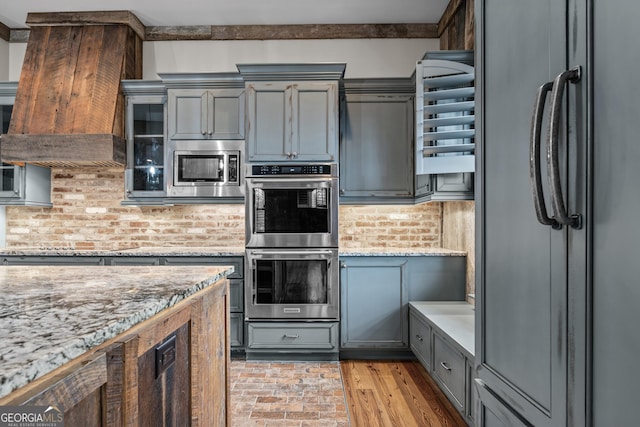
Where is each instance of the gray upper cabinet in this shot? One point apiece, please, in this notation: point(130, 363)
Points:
point(27, 185)
point(292, 111)
point(206, 114)
point(557, 297)
point(146, 118)
point(376, 139)
point(204, 105)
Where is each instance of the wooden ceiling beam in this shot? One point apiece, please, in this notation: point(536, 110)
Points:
point(5, 32)
point(290, 32)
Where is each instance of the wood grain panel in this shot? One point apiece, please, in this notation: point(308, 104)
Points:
point(385, 393)
point(29, 77)
point(287, 32)
point(5, 32)
point(69, 92)
point(108, 17)
point(102, 105)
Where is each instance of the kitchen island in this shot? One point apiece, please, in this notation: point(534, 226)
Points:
point(118, 342)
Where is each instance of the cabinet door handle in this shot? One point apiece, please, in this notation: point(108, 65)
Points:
point(294, 155)
point(288, 154)
point(419, 338)
point(445, 366)
point(553, 174)
point(534, 157)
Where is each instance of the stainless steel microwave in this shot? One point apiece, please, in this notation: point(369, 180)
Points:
point(207, 169)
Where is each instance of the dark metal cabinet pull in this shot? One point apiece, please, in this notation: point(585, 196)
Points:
point(553, 173)
point(534, 157)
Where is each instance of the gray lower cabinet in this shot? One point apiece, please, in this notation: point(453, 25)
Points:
point(236, 291)
point(376, 290)
point(292, 340)
point(376, 140)
point(442, 338)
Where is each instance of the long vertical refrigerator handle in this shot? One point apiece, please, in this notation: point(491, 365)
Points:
point(534, 157)
point(553, 173)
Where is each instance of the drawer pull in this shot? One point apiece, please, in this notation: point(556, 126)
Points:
point(292, 337)
point(419, 338)
point(445, 366)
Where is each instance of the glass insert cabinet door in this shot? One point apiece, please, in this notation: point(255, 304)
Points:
point(145, 146)
point(148, 147)
point(9, 174)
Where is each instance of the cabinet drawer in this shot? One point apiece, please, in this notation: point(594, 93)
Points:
point(420, 339)
point(293, 336)
point(449, 369)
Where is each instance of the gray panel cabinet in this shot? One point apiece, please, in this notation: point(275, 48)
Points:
point(376, 140)
point(292, 111)
point(376, 290)
point(557, 305)
point(27, 185)
point(206, 113)
point(146, 114)
point(442, 338)
point(292, 121)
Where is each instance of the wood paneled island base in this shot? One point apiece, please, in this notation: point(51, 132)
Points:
point(172, 367)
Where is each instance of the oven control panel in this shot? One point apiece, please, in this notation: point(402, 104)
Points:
point(310, 169)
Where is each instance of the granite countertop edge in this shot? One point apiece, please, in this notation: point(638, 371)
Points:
point(218, 252)
point(81, 345)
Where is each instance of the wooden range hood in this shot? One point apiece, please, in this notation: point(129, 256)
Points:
point(69, 110)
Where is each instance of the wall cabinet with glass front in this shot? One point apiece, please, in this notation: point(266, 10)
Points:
point(27, 185)
point(145, 130)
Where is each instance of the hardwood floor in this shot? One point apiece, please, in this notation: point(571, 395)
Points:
point(395, 393)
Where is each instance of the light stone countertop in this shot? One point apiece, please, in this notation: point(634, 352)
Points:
point(230, 251)
point(400, 252)
point(133, 252)
point(49, 315)
point(453, 318)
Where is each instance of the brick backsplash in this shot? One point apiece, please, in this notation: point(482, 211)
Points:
point(391, 226)
point(87, 215)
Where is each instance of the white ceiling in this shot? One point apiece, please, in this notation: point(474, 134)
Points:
point(240, 12)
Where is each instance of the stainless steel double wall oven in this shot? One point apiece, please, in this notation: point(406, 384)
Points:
point(292, 242)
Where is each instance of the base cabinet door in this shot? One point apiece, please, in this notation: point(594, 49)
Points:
point(374, 302)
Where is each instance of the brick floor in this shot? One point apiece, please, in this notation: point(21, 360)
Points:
point(287, 394)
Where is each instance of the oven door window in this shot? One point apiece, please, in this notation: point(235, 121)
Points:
point(200, 168)
point(291, 282)
point(302, 210)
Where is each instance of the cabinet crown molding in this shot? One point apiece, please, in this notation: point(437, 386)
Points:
point(283, 72)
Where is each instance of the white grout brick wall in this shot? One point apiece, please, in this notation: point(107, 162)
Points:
point(87, 215)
